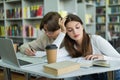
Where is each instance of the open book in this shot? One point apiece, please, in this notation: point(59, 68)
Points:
point(101, 63)
point(98, 63)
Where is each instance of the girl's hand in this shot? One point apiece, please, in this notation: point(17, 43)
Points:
point(61, 22)
point(94, 56)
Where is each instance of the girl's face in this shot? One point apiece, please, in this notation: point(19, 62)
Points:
point(74, 30)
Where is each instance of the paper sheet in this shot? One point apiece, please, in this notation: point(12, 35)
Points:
point(31, 59)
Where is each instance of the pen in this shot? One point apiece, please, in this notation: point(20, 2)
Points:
point(31, 48)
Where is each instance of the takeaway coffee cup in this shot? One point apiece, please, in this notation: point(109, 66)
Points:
point(51, 51)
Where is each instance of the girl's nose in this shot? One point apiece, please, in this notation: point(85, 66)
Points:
point(74, 31)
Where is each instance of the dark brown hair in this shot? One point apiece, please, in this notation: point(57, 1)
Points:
point(51, 20)
point(86, 47)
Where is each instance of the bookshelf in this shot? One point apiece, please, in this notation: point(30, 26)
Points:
point(108, 18)
point(86, 11)
point(33, 12)
point(13, 20)
point(20, 19)
point(101, 18)
point(114, 21)
point(114, 18)
point(61, 5)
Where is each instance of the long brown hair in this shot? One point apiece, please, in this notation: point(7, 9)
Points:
point(86, 47)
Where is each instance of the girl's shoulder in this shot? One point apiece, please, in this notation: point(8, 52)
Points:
point(96, 38)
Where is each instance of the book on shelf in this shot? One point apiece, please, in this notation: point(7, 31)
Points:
point(14, 30)
point(14, 13)
point(100, 28)
point(2, 31)
point(100, 2)
point(100, 19)
point(114, 1)
point(114, 28)
point(114, 19)
point(100, 10)
point(88, 18)
point(33, 11)
point(62, 67)
point(1, 13)
point(30, 31)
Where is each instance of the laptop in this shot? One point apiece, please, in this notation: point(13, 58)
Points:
point(8, 54)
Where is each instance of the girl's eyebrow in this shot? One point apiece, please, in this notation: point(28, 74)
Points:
point(77, 24)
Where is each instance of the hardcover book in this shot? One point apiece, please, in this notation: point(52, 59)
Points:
point(62, 67)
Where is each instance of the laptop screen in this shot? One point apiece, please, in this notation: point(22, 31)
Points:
point(7, 52)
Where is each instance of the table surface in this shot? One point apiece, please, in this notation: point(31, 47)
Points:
point(37, 69)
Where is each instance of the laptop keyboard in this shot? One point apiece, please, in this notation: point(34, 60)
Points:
point(21, 62)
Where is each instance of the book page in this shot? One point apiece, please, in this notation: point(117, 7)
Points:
point(101, 63)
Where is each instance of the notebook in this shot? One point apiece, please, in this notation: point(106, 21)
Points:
point(8, 54)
